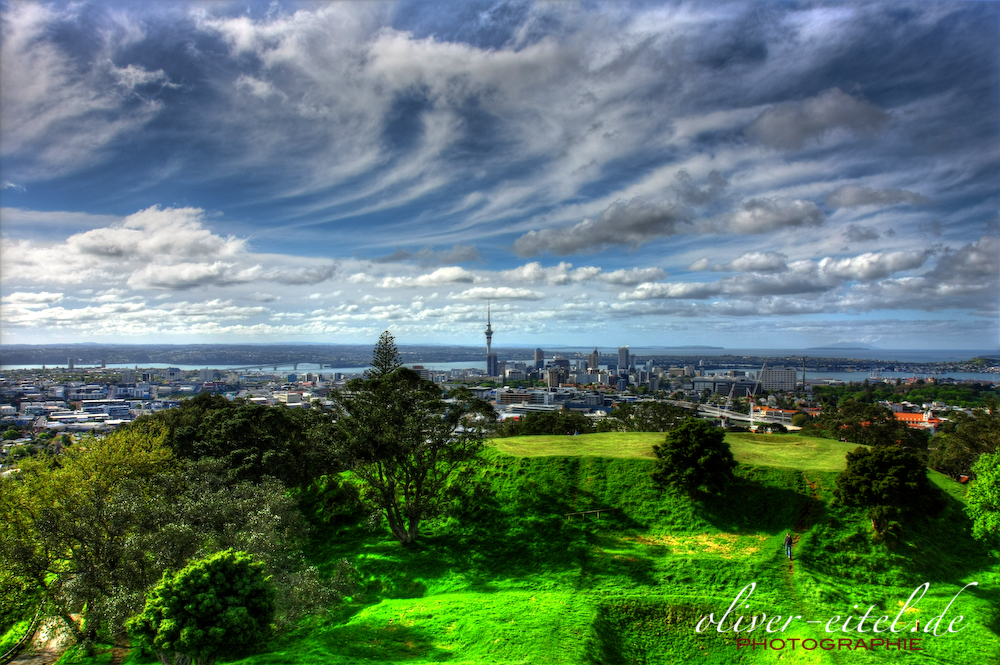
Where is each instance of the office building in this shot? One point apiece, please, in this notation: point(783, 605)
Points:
point(594, 361)
point(623, 364)
point(779, 378)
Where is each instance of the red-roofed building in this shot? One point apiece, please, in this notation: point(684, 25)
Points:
point(922, 420)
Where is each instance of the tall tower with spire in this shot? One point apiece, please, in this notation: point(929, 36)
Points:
point(489, 329)
point(492, 365)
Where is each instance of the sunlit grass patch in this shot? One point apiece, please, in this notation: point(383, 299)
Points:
point(726, 545)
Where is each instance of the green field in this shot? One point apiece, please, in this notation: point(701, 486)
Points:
point(805, 453)
point(508, 578)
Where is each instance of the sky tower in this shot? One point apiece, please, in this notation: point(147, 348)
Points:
point(489, 329)
point(492, 366)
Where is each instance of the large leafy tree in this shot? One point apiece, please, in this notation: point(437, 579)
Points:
point(253, 440)
point(221, 605)
point(404, 440)
point(694, 459)
point(72, 526)
point(890, 482)
point(90, 531)
point(983, 497)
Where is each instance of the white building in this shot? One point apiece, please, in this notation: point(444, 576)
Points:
point(779, 378)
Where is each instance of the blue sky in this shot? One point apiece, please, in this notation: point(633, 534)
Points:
point(746, 174)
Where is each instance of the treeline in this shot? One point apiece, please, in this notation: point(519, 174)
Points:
point(953, 450)
point(867, 392)
point(624, 417)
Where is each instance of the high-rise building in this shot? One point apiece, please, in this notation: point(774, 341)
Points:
point(594, 361)
point(539, 359)
point(779, 378)
point(623, 358)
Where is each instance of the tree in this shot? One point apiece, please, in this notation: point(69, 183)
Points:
point(983, 497)
point(221, 605)
point(695, 459)
point(644, 417)
point(92, 530)
point(961, 442)
point(72, 523)
point(888, 481)
point(253, 440)
point(801, 419)
point(404, 441)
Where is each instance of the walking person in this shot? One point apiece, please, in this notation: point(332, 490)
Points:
point(788, 546)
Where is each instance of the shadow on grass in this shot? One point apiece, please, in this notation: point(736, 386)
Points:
point(929, 548)
point(494, 528)
point(992, 597)
point(629, 631)
point(359, 642)
point(760, 499)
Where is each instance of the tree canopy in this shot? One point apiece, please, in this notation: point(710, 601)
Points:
point(404, 441)
point(983, 497)
point(695, 459)
point(647, 416)
point(221, 605)
point(73, 527)
point(90, 531)
point(253, 440)
point(888, 481)
point(960, 442)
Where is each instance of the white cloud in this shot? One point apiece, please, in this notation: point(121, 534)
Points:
point(27, 299)
point(622, 224)
point(559, 275)
point(850, 196)
point(789, 126)
point(873, 265)
point(498, 293)
point(59, 111)
point(701, 264)
point(626, 277)
point(761, 215)
point(448, 275)
point(755, 262)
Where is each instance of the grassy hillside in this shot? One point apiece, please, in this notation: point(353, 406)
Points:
point(805, 453)
point(507, 577)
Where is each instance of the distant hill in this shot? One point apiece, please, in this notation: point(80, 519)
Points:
point(849, 346)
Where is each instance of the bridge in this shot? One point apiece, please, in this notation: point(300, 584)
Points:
point(728, 414)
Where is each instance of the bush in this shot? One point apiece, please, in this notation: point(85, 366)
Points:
point(221, 605)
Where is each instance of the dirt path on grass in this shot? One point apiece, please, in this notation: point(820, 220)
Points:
point(807, 517)
point(118, 655)
point(50, 641)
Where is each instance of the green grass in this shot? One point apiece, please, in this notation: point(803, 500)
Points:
point(805, 453)
point(507, 578)
point(608, 444)
point(951, 487)
point(14, 635)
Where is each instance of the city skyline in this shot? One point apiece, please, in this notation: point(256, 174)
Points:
point(745, 174)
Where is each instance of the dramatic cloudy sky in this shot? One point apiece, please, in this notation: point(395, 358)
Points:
point(746, 174)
